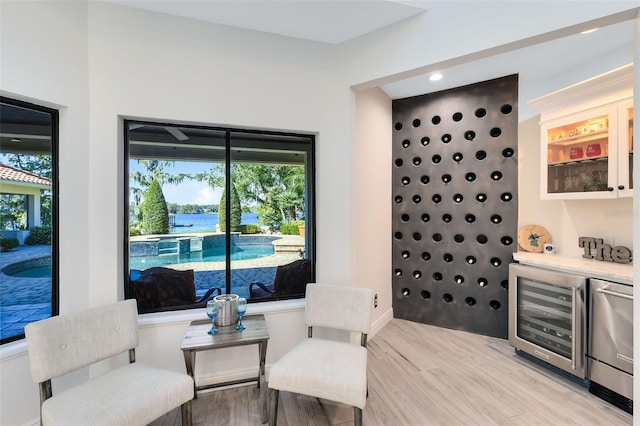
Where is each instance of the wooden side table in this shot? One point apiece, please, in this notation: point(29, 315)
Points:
point(197, 339)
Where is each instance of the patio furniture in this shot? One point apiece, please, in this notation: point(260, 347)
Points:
point(133, 394)
point(290, 280)
point(166, 289)
point(328, 369)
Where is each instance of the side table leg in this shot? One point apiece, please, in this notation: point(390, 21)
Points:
point(190, 363)
point(262, 385)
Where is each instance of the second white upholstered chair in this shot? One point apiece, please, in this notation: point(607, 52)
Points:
point(328, 369)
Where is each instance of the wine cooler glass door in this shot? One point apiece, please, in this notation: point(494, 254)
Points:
point(547, 316)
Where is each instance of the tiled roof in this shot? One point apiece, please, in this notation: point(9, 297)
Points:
point(11, 174)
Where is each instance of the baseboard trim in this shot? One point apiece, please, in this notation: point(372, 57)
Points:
point(383, 320)
point(33, 422)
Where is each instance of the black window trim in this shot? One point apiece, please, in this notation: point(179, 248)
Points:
point(310, 206)
point(55, 225)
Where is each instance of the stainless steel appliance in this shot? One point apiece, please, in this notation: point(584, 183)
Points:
point(610, 347)
point(547, 316)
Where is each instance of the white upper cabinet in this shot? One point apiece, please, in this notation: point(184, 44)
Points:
point(587, 138)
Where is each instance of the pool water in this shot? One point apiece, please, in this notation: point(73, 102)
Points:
point(39, 272)
point(217, 254)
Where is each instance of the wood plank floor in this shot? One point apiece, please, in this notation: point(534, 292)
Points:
point(422, 375)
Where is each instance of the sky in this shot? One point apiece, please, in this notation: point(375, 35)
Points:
point(189, 191)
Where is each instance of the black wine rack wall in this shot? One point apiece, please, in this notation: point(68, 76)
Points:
point(455, 205)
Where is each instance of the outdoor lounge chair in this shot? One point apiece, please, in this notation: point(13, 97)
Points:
point(166, 289)
point(290, 280)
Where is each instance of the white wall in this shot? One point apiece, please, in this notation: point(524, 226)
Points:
point(371, 195)
point(98, 62)
point(43, 48)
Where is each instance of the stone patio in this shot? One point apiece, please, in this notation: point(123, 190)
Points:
point(24, 300)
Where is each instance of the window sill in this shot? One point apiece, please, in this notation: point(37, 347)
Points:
point(178, 317)
point(13, 350)
point(18, 348)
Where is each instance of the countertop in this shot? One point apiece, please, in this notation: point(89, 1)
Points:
point(617, 272)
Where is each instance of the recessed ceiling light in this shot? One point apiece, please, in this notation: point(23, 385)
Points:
point(435, 76)
point(592, 30)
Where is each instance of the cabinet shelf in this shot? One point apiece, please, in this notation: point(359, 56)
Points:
point(580, 160)
point(581, 138)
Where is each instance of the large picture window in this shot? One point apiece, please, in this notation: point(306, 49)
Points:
point(217, 211)
point(28, 216)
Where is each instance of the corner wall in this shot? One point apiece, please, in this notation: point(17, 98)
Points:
point(44, 59)
point(371, 195)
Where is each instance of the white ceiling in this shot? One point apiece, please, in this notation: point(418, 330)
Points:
point(328, 21)
point(553, 64)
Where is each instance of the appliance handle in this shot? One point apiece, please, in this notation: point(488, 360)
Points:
point(614, 293)
point(574, 327)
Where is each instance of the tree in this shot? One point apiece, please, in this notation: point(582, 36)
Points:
point(155, 215)
point(13, 212)
point(141, 181)
point(277, 189)
point(236, 210)
point(36, 164)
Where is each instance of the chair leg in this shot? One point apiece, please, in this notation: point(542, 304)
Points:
point(357, 416)
point(273, 406)
point(185, 410)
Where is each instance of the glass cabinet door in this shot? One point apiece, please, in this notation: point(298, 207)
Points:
point(630, 135)
point(625, 154)
point(578, 155)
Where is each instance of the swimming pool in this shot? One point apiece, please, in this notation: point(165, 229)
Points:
point(38, 272)
point(216, 254)
point(33, 268)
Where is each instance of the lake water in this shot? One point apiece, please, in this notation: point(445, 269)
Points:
point(206, 222)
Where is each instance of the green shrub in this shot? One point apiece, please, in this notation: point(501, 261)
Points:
point(38, 235)
point(236, 210)
point(134, 231)
point(155, 215)
point(250, 229)
point(9, 243)
point(289, 229)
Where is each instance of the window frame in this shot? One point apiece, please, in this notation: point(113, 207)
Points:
point(55, 191)
point(310, 199)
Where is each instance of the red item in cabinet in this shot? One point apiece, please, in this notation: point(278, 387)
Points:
point(576, 152)
point(594, 150)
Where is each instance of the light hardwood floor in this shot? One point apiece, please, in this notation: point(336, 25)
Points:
point(422, 375)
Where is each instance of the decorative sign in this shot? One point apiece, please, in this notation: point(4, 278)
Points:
point(594, 248)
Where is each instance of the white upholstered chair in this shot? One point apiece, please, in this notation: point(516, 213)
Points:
point(328, 369)
point(134, 394)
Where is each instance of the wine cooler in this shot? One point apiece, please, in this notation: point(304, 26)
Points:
point(547, 317)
